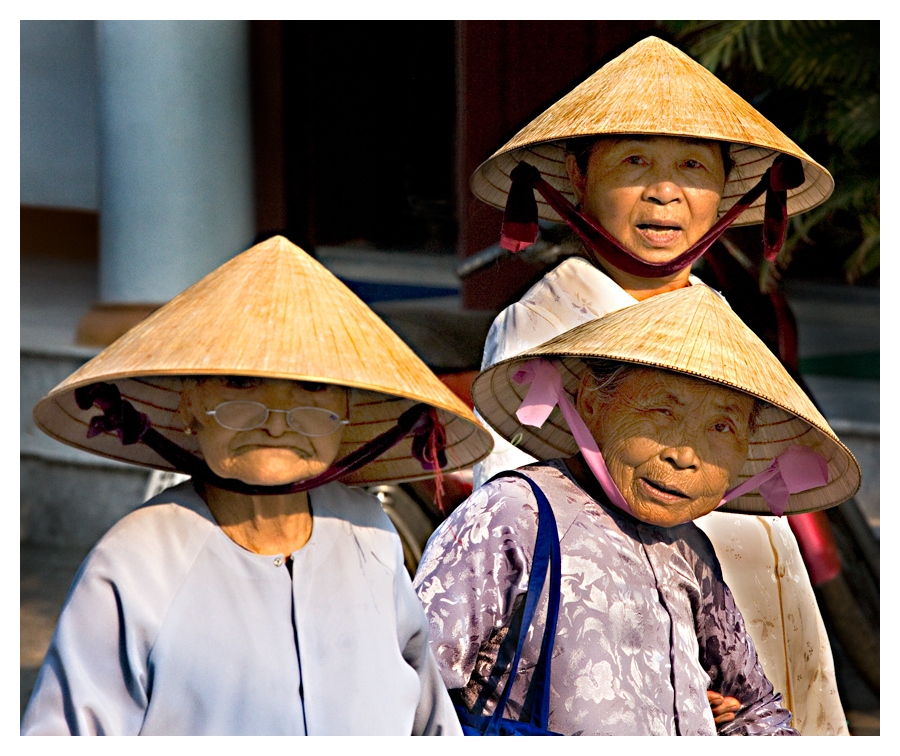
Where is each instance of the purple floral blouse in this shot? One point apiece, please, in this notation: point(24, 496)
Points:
point(646, 623)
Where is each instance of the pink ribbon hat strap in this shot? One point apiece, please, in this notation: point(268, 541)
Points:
point(545, 393)
point(797, 469)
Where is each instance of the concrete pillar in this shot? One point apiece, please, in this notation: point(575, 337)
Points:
point(176, 168)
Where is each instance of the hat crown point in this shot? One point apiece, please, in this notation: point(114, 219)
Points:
point(654, 89)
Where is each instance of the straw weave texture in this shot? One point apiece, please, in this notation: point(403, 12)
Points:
point(653, 88)
point(693, 332)
point(271, 312)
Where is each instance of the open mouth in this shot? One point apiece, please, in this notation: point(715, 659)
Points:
point(659, 227)
point(665, 490)
point(659, 233)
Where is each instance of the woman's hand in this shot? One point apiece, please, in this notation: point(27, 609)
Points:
point(723, 707)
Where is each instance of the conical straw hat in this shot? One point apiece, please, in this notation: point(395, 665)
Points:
point(271, 312)
point(690, 331)
point(653, 88)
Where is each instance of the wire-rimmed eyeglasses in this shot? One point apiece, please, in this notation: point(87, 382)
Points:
point(243, 415)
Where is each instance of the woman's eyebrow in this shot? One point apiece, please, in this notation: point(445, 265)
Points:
point(727, 407)
point(663, 397)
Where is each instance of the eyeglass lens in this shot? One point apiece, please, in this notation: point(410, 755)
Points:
point(310, 421)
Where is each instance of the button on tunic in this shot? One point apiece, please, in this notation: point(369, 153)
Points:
point(172, 628)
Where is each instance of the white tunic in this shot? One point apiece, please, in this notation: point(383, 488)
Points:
point(760, 558)
point(172, 628)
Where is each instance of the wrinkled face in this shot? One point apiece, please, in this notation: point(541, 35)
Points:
point(273, 454)
point(672, 444)
point(657, 195)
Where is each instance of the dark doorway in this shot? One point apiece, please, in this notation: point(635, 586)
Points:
point(369, 112)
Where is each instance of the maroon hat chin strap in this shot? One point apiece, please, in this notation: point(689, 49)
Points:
point(120, 416)
point(520, 219)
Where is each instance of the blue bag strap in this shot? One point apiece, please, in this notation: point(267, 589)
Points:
point(546, 553)
point(541, 678)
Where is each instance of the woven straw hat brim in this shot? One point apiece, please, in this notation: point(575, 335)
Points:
point(653, 89)
point(271, 312)
point(692, 332)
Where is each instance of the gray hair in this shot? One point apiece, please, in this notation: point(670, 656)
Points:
point(607, 375)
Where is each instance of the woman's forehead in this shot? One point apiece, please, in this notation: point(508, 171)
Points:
point(234, 383)
point(680, 389)
point(666, 141)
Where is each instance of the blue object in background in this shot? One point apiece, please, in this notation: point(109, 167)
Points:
point(371, 291)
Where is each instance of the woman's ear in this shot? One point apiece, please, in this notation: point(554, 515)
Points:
point(186, 413)
point(576, 177)
point(588, 401)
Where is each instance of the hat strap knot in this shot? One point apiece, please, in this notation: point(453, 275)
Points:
point(786, 173)
point(520, 227)
point(428, 446)
point(795, 470)
point(120, 416)
point(429, 440)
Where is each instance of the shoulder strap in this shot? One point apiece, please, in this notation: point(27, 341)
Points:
point(546, 553)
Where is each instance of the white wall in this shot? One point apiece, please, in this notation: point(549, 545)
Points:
point(59, 140)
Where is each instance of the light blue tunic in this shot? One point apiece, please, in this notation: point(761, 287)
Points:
point(172, 628)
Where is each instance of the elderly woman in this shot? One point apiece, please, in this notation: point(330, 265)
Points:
point(653, 187)
point(646, 624)
point(265, 596)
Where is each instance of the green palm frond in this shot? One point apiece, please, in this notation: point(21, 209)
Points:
point(856, 121)
point(867, 256)
point(798, 54)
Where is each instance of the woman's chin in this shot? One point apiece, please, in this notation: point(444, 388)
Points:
point(658, 255)
point(663, 516)
point(279, 475)
point(661, 519)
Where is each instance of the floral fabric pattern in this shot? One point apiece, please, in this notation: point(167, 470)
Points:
point(759, 556)
point(646, 624)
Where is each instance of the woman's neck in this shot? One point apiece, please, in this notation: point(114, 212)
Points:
point(640, 288)
point(279, 524)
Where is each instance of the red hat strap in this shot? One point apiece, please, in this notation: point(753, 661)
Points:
point(119, 416)
point(520, 218)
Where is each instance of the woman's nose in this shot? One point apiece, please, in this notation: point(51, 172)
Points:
point(277, 424)
point(680, 447)
point(682, 456)
point(661, 187)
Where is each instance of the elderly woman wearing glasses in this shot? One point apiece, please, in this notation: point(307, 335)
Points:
point(265, 596)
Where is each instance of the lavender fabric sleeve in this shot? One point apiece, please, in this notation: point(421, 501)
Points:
point(727, 652)
point(646, 625)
